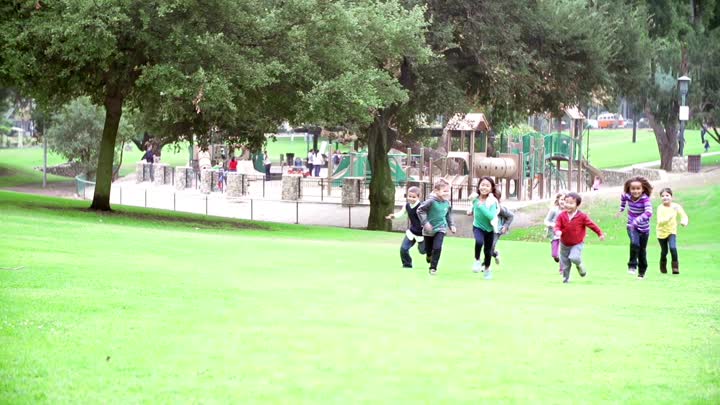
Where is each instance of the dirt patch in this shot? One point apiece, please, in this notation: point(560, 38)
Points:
point(6, 172)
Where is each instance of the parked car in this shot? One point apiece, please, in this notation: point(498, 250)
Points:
point(610, 120)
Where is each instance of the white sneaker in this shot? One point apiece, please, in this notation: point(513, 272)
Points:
point(477, 267)
point(631, 271)
point(497, 258)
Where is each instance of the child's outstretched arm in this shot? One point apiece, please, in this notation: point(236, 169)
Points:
point(623, 203)
point(592, 225)
point(396, 215)
point(683, 215)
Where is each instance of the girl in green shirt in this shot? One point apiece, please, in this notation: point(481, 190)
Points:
point(484, 211)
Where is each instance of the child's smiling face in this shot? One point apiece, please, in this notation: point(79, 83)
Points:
point(666, 198)
point(636, 190)
point(412, 198)
point(570, 205)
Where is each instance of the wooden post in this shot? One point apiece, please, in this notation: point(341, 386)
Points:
point(430, 171)
point(557, 178)
point(409, 164)
point(519, 176)
point(531, 164)
point(331, 168)
point(462, 141)
point(581, 167)
point(570, 164)
point(471, 162)
point(421, 166)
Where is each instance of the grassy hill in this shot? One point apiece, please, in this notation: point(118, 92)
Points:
point(149, 306)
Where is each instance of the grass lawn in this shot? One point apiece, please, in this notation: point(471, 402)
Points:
point(16, 166)
point(149, 306)
point(614, 147)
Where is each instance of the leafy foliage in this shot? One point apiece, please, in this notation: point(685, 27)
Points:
point(77, 130)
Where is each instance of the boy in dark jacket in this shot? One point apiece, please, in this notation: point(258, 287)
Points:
point(570, 227)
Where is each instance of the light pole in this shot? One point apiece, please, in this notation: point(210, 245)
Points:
point(683, 85)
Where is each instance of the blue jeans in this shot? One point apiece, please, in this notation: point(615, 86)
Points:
point(317, 170)
point(669, 242)
point(405, 251)
point(638, 250)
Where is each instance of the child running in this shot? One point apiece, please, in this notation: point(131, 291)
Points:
point(667, 214)
point(636, 197)
point(414, 232)
point(505, 218)
point(485, 223)
point(570, 228)
point(435, 215)
point(550, 220)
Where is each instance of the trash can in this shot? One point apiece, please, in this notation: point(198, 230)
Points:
point(694, 163)
point(290, 157)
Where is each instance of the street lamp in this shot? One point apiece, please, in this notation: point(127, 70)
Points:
point(683, 85)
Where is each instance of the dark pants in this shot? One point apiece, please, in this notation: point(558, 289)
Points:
point(310, 168)
point(317, 170)
point(484, 241)
point(433, 248)
point(495, 241)
point(405, 251)
point(267, 171)
point(666, 243)
point(638, 250)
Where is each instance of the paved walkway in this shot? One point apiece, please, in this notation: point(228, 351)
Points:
point(263, 202)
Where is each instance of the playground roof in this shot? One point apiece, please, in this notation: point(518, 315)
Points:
point(574, 113)
point(468, 122)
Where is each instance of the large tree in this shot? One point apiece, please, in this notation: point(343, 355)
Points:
point(508, 59)
point(685, 39)
point(194, 69)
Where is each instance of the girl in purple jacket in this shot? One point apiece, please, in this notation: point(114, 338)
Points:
point(636, 198)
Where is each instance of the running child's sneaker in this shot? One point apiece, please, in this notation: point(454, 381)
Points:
point(581, 270)
point(477, 266)
point(632, 271)
point(428, 258)
point(432, 272)
point(497, 258)
point(488, 274)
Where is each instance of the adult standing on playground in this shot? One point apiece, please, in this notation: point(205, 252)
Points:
point(149, 157)
point(311, 160)
point(318, 162)
point(268, 163)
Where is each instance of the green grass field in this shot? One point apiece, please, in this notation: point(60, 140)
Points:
point(147, 306)
point(614, 147)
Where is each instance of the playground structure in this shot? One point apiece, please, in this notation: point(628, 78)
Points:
point(530, 165)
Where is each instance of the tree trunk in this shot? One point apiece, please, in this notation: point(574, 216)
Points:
point(382, 188)
point(103, 179)
point(666, 137)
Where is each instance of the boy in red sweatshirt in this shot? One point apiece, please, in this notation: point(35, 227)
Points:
point(570, 227)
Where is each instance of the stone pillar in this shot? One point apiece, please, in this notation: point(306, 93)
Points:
point(352, 190)
point(291, 186)
point(206, 181)
point(168, 174)
point(159, 173)
point(147, 171)
point(679, 164)
point(235, 185)
point(183, 177)
point(140, 172)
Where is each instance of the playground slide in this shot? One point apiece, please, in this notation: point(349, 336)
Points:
point(592, 169)
point(247, 167)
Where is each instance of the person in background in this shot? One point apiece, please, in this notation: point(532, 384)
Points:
point(232, 166)
point(318, 162)
point(268, 164)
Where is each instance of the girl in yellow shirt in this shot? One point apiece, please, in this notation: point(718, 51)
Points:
point(667, 214)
